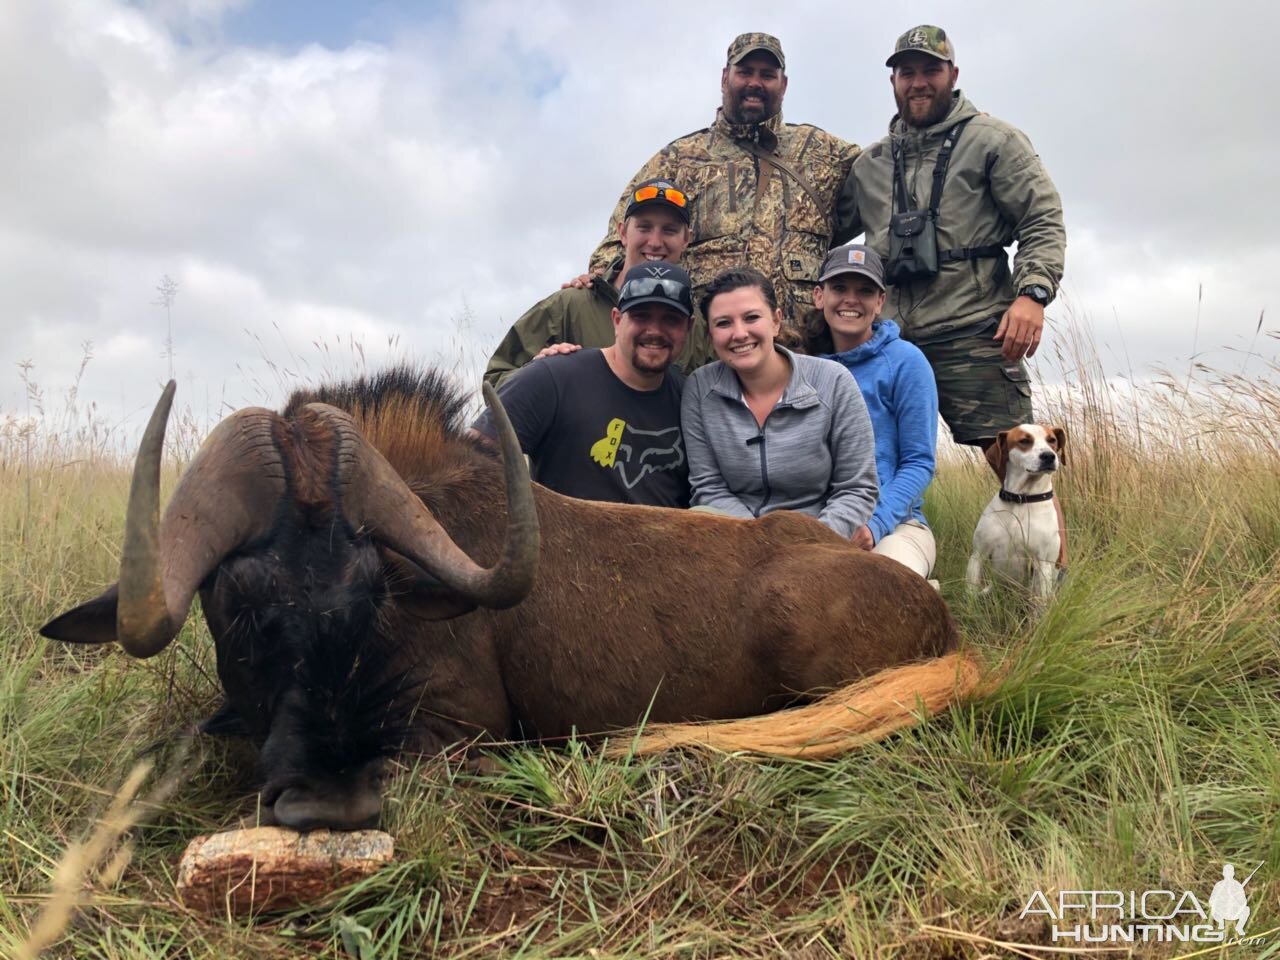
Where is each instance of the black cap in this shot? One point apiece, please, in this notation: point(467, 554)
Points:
point(658, 192)
point(663, 283)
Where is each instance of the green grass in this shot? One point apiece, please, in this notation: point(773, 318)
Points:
point(1132, 745)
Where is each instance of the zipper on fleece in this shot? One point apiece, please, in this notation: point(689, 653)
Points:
point(758, 441)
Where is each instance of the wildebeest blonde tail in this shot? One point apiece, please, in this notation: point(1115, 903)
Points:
point(849, 717)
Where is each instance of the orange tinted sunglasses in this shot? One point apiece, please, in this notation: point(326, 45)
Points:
point(650, 192)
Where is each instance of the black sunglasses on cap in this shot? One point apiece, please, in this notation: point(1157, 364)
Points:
point(655, 290)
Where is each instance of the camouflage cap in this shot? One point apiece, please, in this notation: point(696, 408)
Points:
point(747, 43)
point(929, 40)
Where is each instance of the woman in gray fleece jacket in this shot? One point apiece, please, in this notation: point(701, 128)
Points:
point(767, 429)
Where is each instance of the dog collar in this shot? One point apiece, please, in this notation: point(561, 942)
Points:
point(1008, 497)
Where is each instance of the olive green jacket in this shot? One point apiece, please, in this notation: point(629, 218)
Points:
point(573, 315)
point(996, 191)
point(746, 211)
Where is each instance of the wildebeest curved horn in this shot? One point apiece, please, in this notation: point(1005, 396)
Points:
point(223, 499)
point(376, 496)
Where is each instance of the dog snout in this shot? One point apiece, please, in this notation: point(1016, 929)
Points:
point(1048, 460)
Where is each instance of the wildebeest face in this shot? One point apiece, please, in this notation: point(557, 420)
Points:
point(301, 662)
point(291, 529)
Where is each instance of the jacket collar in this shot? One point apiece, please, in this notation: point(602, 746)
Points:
point(799, 392)
point(960, 108)
point(604, 283)
point(883, 332)
point(764, 133)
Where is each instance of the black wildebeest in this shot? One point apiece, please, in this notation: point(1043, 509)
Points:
point(370, 588)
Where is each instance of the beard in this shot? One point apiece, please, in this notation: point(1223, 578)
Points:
point(925, 114)
point(640, 359)
point(737, 112)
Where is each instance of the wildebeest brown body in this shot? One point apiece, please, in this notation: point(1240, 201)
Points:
point(334, 649)
point(639, 611)
point(682, 616)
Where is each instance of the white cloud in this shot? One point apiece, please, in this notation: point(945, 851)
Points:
point(419, 194)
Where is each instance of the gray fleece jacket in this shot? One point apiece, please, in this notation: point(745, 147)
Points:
point(815, 452)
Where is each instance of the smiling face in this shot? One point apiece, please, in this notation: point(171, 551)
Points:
point(652, 233)
point(649, 337)
point(849, 303)
point(743, 328)
point(922, 87)
point(753, 88)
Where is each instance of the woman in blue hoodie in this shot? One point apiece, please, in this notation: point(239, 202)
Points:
point(900, 393)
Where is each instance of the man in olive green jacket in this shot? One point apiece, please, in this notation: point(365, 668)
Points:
point(975, 319)
point(655, 227)
point(762, 192)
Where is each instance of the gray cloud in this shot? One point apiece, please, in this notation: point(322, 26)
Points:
point(418, 194)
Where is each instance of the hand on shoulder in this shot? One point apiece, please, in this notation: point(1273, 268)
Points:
point(556, 349)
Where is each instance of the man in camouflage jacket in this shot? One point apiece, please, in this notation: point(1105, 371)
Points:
point(762, 192)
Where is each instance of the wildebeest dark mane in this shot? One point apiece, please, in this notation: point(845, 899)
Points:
point(432, 392)
point(416, 417)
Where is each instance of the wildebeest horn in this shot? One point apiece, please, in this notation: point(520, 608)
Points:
point(224, 498)
point(374, 495)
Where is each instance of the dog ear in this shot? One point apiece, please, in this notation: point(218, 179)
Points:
point(1062, 444)
point(998, 454)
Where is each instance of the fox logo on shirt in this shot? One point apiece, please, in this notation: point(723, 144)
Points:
point(637, 453)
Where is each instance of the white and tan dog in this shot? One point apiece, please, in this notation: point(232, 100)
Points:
point(1017, 534)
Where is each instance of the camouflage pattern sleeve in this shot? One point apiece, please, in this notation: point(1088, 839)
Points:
point(1027, 198)
point(610, 248)
point(849, 152)
point(539, 327)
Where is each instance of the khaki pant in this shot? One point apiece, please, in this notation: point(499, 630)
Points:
point(912, 545)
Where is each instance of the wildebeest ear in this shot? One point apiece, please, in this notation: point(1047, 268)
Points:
point(998, 453)
point(92, 622)
point(1062, 444)
point(419, 593)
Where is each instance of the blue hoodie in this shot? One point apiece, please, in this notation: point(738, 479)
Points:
point(902, 398)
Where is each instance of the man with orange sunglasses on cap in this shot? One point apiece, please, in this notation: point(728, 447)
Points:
point(761, 192)
point(655, 227)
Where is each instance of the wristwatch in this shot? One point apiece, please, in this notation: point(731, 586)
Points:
point(1037, 292)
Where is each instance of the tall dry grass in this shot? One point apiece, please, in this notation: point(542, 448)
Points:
point(1132, 743)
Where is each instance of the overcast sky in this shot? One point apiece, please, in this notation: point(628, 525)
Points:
point(409, 177)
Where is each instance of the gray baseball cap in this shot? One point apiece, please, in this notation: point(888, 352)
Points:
point(853, 258)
